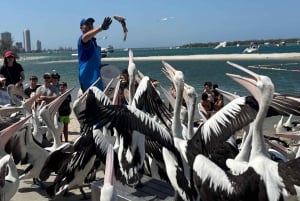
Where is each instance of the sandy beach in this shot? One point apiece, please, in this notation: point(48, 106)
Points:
point(212, 57)
point(199, 57)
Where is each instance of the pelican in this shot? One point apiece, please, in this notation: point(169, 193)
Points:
point(269, 180)
point(9, 183)
point(74, 171)
point(131, 149)
point(48, 112)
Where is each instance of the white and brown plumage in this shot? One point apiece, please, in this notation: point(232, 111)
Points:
point(123, 23)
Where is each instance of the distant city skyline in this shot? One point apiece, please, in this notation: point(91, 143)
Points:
point(25, 45)
point(163, 24)
point(26, 40)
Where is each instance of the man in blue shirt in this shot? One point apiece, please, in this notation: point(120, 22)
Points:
point(89, 53)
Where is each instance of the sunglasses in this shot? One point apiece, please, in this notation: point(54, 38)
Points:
point(10, 57)
point(47, 78)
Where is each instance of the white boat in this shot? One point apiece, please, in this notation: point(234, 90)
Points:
point(221, 44)
point(104, 51)
point(252, 48)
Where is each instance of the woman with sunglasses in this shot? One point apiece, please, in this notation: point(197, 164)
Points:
point(11, 70)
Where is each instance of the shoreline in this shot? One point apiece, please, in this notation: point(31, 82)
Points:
point(211, 57)
point(273, 56)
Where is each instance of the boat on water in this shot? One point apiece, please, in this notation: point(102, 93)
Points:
point(252, 48)
point(104, 51)
point(221, 44)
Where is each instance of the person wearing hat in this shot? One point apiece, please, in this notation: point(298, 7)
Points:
point(55, 79)
point(47, 91)
point(11, 70)
point(89, 53)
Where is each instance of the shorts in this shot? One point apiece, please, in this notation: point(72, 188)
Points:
point(64, 119)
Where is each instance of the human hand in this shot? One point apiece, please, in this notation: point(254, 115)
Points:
point(106, 23)
point(18, 85)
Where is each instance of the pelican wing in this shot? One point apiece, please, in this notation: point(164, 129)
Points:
point(146, 98)
point(125, 118)
point(286, 104)
point(213, 183)
point(290, 172)
point(231, 118)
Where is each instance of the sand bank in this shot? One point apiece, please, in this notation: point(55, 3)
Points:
point(199, 57)
point(211, 57)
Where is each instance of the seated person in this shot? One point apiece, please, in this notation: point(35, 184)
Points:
point(219, 103)
point(205, 103)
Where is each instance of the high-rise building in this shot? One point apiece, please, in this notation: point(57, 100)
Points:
point(19, 45)
point(5, 36)
point(26, 40)
point(5, 39)
point(38, 46)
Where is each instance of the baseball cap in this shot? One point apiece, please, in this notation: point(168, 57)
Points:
point(55, 75)
point(85, 21)
point(9, 53)
point(46, 75)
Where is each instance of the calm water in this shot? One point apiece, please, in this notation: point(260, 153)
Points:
point(196, 72)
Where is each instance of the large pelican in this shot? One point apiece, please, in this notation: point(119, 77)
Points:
point(269, 180)
point(48, 113)
point(9, 181)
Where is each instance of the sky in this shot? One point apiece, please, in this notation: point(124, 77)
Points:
point(164, 23)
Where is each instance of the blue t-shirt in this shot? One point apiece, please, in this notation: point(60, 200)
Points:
point(89, 58)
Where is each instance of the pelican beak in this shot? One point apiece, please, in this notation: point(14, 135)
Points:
point(227, 95)
point(168, 70)
point(277, 147)
point(293, 135)
point(7, 133)
point(250, 83)
point(7, 111)
point(28, 103)
point(188, 89)
point(56, 103)
point(116, 93)
point(109, 166)
point(130, 55)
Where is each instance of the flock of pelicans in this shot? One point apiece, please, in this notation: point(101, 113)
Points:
point(202, 162)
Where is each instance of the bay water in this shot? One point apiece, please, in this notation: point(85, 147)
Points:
point(195, 72)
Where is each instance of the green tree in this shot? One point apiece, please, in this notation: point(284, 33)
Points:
point(5, 45)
